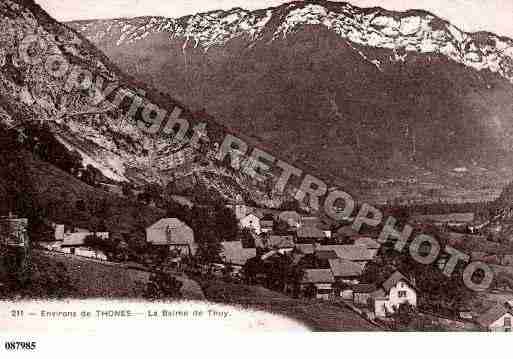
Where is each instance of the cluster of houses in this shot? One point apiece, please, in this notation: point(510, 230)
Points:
point(332, 261)
point(75, 242)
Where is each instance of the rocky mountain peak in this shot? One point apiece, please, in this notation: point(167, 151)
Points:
point(413, 31)
point(52, 79)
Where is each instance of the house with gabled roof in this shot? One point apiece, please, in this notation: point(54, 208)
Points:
point(362, 293)
point(367, 242)
point(234, 254)
point(496, 319)
point(346, 271)
point(173, 233)
point(346, 274)
point(320, 281)
point(354, 253)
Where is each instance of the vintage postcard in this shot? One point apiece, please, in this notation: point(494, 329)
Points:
point(255, 166)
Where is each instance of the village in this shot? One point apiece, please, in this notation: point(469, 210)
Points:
point(298, 254)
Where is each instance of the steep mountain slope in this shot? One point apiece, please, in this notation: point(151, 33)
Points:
point(346, 90)
point(90, 111)
point(43, 193)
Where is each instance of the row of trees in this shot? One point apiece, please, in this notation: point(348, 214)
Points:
point(212, 224)
point(277, 272)
point(41, 141)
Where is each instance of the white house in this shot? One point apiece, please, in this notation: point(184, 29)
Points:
point(396, 290)
point(252, 222)
point(497, 319)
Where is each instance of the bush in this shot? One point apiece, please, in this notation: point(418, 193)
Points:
point(163, 286)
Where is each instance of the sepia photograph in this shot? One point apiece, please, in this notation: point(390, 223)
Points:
point(255, 166)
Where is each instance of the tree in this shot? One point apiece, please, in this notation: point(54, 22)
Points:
point(375, 273)
point(227, 271)
point(226, 223)
point(310, 291)
point(404, 314)
point(294, 276)
point(45, 145)
point(105, 245)
point(277, 269)
point(127, 190)
point(246, 238)
point(209, 248)
point(163, 286)
point(280, 227)
point(80, 205)
point(92, 175)
point(251, 269)
point(151, 192)
point(340, 286)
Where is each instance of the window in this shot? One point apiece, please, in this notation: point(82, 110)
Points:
point(507, 322)
point(401, 294)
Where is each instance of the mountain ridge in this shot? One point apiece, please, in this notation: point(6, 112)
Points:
point(226, 25)
point(104, 136)
point(347, 109)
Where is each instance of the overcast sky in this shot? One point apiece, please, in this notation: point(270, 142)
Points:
point(469, 15)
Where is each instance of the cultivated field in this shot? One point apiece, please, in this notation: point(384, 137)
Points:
point(97, 280)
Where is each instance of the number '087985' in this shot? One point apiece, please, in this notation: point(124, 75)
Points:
point(20, 345)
